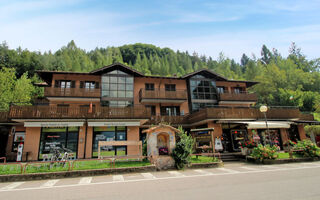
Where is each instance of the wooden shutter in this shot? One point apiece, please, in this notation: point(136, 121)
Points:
point(56, 83)
point(73, 84)
point(97, 85)
point(81, 84)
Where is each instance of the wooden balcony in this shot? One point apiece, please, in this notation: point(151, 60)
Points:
point(76, 112)
point(243, 96)
point(245, 113)
point(172, 120)
point(71, 92)
point(162, 96)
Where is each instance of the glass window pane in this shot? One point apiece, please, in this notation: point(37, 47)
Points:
point(113, 72)
point(113, 94)
point(129, 94)
point(105, 93)
point(129, 80)
point(121, 80)
point(113, 86)
point(121, 94)
point(105, 79)
point(121, 86)
point(113, 79)
point(129, 87)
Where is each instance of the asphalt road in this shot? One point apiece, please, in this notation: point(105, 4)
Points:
point(235, 181)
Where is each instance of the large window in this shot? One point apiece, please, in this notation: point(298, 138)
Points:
point(117, 85)
point(58, 138)
point(112, 133)
point(203, 92)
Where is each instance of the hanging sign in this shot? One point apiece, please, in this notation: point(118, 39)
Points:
point(114, 123)
point(52, 124)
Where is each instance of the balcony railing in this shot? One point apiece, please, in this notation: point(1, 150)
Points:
point(172, 120)
point(56, 112)
point(162, 95)
point(71, 92)
point(243, 96)
point(252, 113)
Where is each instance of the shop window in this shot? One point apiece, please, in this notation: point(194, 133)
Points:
point(18, 138)
point(60, 138)
point(113, 133)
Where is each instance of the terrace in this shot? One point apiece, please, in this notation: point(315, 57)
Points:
point(76, 112)
point(71, 92)
point(251, 113)
point(161, 95)
point(242, 96)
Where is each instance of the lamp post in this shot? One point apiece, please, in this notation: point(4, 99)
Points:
point(264, 110)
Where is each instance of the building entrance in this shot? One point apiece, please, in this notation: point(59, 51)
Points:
point(3, 141)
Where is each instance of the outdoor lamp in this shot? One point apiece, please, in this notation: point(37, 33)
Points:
point(264, 110)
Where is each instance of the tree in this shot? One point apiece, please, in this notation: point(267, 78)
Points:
point(266, 55)
point(183, 150)
point(13, 90)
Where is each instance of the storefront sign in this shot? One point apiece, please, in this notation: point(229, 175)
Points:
point(52, 124)
point(113, 123)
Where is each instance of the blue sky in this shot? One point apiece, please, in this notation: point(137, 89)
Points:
point(207, 27)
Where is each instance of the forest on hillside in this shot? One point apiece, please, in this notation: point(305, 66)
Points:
point(284, 81)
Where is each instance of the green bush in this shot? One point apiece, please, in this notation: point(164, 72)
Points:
point(309, 148)
point(183, 150)
point(265, 152)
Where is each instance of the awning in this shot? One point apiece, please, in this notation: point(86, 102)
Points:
point(52, 124)
point(114, 123)
point(262, 124)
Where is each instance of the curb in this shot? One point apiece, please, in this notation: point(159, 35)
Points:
point(281, 161)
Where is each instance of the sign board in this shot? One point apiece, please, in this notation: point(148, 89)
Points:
point(218, 144)
point(52, 124)
point(19, 152)
point(114, 123)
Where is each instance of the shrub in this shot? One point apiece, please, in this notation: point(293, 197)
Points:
point(309, 148)
point(183, 150)
point(265, 152)
point(249, 144)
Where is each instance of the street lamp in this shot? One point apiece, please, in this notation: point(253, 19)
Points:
point(264, 110)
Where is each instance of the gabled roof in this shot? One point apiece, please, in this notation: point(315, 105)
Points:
point(206, 72)
point(218, 77)
point(118, 66)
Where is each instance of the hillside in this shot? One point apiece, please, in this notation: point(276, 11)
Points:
point(290, 81)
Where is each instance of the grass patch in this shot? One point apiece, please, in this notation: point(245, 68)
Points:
point(203, 159)
point(45, 167)
point(286, 155)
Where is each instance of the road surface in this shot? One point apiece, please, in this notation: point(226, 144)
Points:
point(235, 181)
